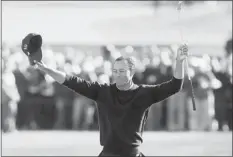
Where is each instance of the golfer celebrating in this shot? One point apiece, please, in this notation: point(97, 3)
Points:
point(122, 106)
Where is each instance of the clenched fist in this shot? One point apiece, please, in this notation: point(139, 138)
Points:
point(182, 52)
point(39, 65)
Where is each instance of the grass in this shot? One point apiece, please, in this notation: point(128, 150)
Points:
point(74, 143)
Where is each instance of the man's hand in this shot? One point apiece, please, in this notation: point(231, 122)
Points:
point(58, 76)
point(39, 65)
point(182, 53)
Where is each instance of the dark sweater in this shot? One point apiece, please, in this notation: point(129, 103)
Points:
point(122, 114)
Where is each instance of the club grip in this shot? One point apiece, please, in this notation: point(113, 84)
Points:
point(194, 105)
point(192, 94)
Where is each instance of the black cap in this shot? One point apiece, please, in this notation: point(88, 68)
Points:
point(31, 43)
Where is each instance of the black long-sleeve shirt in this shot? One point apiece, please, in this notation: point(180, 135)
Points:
point(122, 114)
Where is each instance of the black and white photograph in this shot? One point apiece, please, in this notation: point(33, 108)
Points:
point(116, 78)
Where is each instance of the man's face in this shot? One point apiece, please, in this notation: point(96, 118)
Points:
point(121, 73)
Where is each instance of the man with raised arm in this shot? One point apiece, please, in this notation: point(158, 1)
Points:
point(123, 105)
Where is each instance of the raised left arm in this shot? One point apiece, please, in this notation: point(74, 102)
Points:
point(164, 90)
point(182, 54)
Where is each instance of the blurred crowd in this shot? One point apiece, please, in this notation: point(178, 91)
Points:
point(32, 100)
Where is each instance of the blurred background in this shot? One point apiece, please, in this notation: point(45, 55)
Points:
point(83, 38)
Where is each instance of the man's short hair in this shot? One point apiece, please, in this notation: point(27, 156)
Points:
point(130, 60)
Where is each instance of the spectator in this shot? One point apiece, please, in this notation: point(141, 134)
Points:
point(83, 112)
point(10, 98)
point(152, 76)
point(223, 96)
point(35, 93)
point(203, 82)
point(64, 100)
point(228, 47)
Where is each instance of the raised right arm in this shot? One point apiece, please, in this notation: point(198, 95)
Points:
point(77, 84)
point(57, 75)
